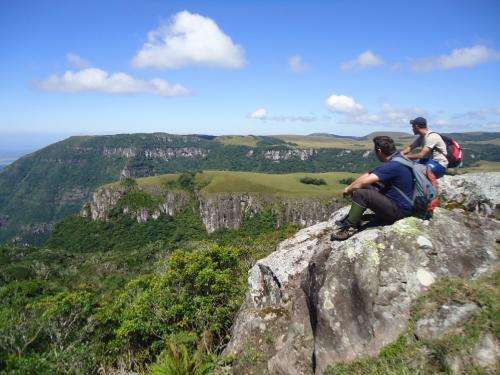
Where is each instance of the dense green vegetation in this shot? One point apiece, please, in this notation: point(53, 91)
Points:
point(347, 181)
point(408, 355)
point(158, 296)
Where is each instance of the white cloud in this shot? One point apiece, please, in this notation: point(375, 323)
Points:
point(296, 65)
point(364, 61)
point(189, 39)
point(441, 122)
point(97, 80)
point(343, 104)
point(458, 58)
point(389, 116)
point(259, 114)
point(306, 118)
point(355, 113)
point(492, 126)
point(77, 61)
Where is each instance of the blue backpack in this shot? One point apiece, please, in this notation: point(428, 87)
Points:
point(425, 188)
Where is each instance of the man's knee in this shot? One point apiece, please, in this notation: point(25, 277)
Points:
point(360, 196)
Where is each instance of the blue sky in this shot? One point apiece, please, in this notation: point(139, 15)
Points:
point(248, 67)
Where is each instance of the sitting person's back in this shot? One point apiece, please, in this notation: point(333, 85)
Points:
point(433, 149)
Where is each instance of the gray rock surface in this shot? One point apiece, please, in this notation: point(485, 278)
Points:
point(314, 303)
point(486, 354)
point(445, 320)
point(479, 192)
point(227, 211)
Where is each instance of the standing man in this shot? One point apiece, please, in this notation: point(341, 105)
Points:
point(433, 149)
point(387, 203)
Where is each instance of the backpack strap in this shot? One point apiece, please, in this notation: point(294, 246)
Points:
point(435, 148)
point(404, 161)
point(401, 192)
point(409, 164)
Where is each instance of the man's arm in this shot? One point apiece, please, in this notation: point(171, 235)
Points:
point(407, 149)
point(419, 155)
point(362, 181)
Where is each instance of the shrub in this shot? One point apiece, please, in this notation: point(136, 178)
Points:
point(347, 181)
point(312, 181)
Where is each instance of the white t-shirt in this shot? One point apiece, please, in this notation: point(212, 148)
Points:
point(436, 144)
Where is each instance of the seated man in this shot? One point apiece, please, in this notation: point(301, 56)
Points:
point(387, 203)
point(433, 152)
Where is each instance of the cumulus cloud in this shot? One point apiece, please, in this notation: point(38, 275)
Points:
point(296, 65)
point(77, 61)
point(364, 61)
point(97, 80)
point(458, 58)
point(189, 39)
point(343, 104)
point(259, 114)
point(355, 113)
point(389, 116)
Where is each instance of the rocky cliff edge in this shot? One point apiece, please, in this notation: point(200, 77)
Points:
point(314, 303)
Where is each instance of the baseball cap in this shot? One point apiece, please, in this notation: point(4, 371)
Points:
point(419, 122)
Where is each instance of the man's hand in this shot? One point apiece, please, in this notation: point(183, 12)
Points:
point(361, 182)
point(347, 193)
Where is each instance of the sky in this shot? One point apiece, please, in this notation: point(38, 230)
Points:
point(247, 67)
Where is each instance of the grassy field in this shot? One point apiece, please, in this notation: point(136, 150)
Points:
point(305, 141)
point(212, 182)
point(241, 140)
point(325, 142)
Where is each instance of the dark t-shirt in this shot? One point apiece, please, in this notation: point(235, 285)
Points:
point(391, 173)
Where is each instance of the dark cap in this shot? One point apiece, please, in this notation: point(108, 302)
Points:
point(419, 122)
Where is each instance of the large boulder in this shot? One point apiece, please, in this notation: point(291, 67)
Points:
point(479, 192)
point(314, 303)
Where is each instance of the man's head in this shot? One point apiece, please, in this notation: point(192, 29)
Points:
point(419, 125)
point(384, 147)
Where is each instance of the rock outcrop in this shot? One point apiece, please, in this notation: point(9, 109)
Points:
point(293, 154)
point(218, 211)
point(478, 192)
point(104, 200)
point(313, 303)
point(448, 318)
point(166, 154)
point(227, 211)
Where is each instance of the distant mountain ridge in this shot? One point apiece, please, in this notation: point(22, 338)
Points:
point(43, 187)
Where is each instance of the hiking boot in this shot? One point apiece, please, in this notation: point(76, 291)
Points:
point(344, 232)
point(342, 222)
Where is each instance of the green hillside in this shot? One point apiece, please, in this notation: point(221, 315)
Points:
point(43, 187)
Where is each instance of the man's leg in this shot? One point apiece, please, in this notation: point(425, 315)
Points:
point(437, 168)
point(383, 207)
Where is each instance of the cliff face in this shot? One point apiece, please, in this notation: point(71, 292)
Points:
point(218, 211)
point(314, 303)
point(227, 211)
point(104, 200)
